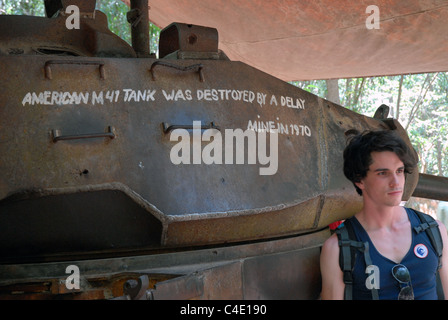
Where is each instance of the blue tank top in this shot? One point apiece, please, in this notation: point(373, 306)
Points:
point(421, 261)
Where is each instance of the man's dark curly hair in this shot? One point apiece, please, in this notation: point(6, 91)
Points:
point(357, 158)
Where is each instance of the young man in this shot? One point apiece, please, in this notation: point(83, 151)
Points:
point(404, 261)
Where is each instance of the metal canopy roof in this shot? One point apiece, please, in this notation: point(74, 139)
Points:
point(321, 39)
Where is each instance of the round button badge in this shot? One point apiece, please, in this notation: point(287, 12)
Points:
point(421, 251)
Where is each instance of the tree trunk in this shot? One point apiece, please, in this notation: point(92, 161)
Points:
point(358, 90)
point(333, 90)
point(439, 158)
point(397, 112)
point(421, 98)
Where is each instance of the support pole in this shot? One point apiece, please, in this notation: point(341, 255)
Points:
point(138, 17)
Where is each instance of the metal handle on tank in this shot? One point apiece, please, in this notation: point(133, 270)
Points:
point(57, 136)
point(48, 73)
point(198, 66)
point(167, 128)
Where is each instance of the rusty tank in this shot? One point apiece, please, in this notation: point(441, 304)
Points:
point(97, 173)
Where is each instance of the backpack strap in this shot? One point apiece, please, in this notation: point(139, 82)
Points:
point(348, 247)
point(346, 258)
point(431, 227)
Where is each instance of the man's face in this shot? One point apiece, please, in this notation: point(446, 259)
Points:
point(384, 182)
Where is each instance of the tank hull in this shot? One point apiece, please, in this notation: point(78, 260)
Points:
point(87, 158)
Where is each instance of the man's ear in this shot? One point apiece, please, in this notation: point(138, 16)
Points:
point(360, 185)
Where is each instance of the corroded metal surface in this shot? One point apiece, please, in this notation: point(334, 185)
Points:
point(89, 128)
point(194, 204)
point(278, 269)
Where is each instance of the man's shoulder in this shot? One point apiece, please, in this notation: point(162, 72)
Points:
point(329, 258)
point(331, 245)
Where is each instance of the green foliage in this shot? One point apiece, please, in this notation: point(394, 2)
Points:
point(115, 11)
point(422, 109)
point(23, 7)
point(317, 87)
